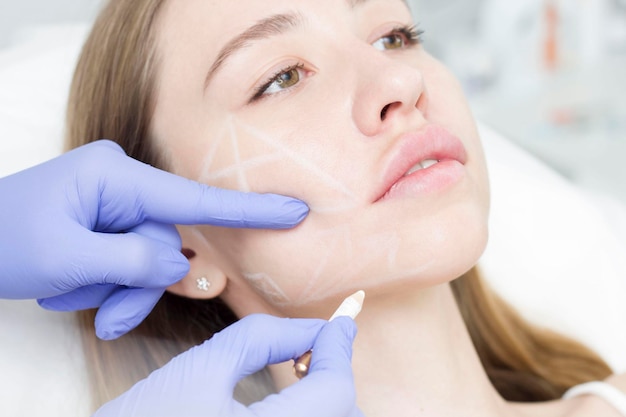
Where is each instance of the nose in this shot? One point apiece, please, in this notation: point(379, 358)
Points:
point(387, 89)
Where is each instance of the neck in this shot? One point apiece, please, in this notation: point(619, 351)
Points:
point(415, 352)
point(413, 357)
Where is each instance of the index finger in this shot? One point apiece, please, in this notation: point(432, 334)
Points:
point(168, 198)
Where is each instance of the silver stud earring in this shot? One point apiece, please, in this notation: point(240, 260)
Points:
point(203, 284)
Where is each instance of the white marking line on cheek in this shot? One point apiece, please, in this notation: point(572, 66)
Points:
point(210, 155)
point(239, 168)
point(383, 246)
point(268, 286)
point(235, 169)
point(246, 165)
point(335, 235)
point(393, 253)
point(412, 272)
point(241, 174)
point(329, 180)
point(351, 273)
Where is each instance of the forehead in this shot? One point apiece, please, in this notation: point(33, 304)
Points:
point(227, 17)
point(191, 35)
point(197, 29)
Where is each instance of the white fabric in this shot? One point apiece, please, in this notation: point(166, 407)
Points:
point(607, 392)
point(42, 368)
point(553, 252)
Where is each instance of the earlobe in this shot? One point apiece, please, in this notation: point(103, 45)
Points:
point(202, 282)
point(205, 279)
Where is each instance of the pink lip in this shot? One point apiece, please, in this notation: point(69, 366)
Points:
point(434, 143)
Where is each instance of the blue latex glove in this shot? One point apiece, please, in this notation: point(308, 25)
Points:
point(201, 381)
point(94, 228)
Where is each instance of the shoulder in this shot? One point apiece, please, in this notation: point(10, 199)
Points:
point(618, 381)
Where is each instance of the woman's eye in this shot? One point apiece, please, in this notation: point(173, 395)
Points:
point(399, 38)
point(393, 41)
point(285, 79)
point(281, 81)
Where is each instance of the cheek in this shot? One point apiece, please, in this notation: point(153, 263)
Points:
point(297, 162)
point(407, 245)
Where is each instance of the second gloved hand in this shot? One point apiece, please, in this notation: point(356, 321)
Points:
point(201, 381)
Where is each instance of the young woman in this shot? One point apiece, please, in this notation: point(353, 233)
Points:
point(334, 102)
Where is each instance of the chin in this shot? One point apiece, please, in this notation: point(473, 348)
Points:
point(444, 247)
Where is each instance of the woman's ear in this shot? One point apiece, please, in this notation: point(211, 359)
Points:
point(205, 279)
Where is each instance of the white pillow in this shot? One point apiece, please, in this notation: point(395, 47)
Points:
point(554, 251)
point(43, 368)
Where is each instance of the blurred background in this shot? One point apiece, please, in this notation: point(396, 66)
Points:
point(550, 75)
point(18, 17)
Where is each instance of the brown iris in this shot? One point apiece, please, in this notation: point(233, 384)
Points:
point(393, 42)
point(288, 78)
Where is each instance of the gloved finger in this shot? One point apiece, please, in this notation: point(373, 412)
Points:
point(167, 198)
point(328, 389)
point(165, 233)
point(107, 143)
point(333, 347)
point(128, 259)
point(121, 308)
point(260, 340)
point(228, 208)
point(124, 309)
point(83, 298)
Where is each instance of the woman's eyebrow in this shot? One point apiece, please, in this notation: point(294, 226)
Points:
point(355, 3)
point(271, 26)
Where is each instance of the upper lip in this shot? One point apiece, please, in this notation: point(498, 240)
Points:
point(431, 142)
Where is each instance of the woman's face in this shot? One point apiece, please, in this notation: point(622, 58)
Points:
point(336, 103)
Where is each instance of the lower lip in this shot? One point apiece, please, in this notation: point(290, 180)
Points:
point(426, 181)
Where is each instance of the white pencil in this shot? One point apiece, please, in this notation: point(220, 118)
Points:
point(350, 307)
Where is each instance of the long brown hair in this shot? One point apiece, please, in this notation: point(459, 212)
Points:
point(112, 97)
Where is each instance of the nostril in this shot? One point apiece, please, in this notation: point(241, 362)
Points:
point(383, 113)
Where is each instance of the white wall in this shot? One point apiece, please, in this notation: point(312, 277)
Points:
point(17, 14)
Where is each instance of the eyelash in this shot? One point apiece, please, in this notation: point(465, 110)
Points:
point(411, 34)
point(265, 86)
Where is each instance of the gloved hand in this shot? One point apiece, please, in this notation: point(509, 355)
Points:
point(95, 228)
point(200, 382)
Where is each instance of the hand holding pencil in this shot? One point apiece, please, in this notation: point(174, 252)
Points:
point(350, 307)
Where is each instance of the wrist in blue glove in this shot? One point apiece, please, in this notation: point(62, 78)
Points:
point(95, 228)
point(201, 381)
